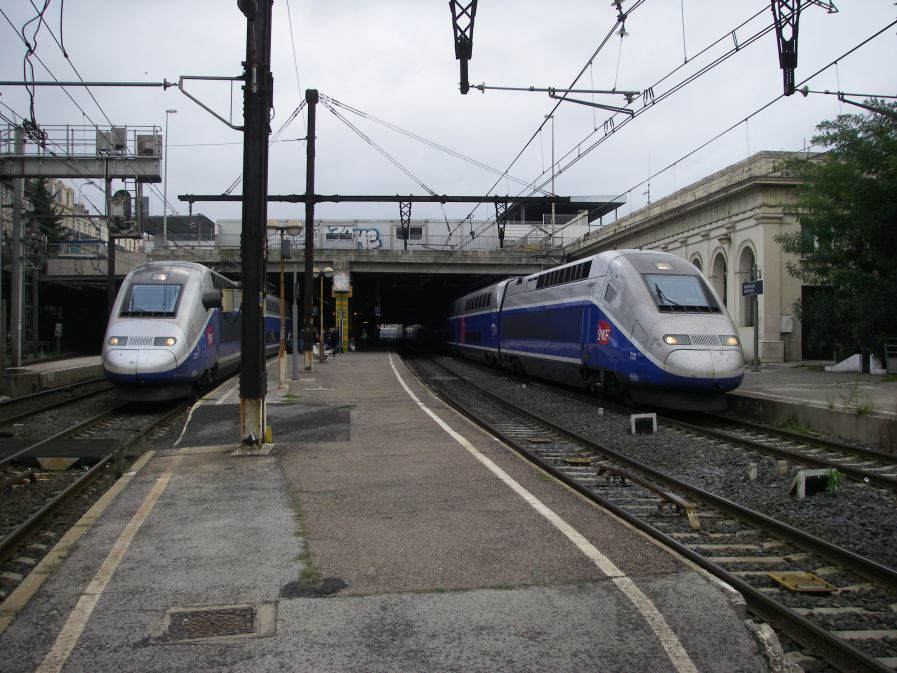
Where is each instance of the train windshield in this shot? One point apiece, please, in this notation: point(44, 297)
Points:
point(152, 301)
point(681, 293)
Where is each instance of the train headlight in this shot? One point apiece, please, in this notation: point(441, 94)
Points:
point(728, 340)
point(164, 341)
point(677, 339)
point(117, 341)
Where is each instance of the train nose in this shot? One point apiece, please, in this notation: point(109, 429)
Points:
point(714, 365)
point(128, 362)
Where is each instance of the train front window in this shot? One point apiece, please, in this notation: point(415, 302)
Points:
point(153, 301)
point(673, 293)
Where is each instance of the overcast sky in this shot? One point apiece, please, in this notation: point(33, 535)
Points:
point(393, 60)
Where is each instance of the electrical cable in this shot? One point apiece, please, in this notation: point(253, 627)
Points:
point(369, 141)
point(621, 18)
point(650, 98)
point(761, 108)
point(423, 140)
point(273, 139)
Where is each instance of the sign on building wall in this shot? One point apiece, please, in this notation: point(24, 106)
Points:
point(751, 287)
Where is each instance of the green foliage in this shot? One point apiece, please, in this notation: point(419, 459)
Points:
point(791, 424)
point(847, 246)
point(41, 216)
point(833, 481)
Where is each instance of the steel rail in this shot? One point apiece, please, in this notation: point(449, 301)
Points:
point(15, 537)
point(822, 442)
point(857, 474)
point(62, 433)
point(49, 391)
point(68, 400)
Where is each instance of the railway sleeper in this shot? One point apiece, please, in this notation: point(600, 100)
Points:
point(678, 503)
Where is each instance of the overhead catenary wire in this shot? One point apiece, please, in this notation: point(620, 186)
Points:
point(763, 107)
point(326, 103)
point(283, 127)
point(430, 143)
point(677, 87)
point(650, 99)
point(621, 18)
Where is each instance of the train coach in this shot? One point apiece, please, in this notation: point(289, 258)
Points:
point(174, 327)
point(642, 326)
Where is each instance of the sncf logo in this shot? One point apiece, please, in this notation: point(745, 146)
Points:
point(603, 336)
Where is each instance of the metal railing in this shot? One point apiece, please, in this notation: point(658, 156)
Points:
point(86, 141)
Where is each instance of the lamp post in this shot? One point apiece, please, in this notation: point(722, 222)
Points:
point(326, 273)
point(165, 182)
point(293, 230)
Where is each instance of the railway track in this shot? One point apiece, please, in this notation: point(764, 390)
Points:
point(37, 506)
point(834, 603)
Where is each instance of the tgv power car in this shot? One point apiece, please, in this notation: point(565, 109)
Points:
point(638, 325)
point(174, 326)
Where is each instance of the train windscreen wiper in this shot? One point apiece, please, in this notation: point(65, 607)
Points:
point(663, 298)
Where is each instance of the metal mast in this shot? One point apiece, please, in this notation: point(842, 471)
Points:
point(257, 97)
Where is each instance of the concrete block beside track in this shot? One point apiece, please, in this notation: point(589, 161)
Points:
point(38, 376)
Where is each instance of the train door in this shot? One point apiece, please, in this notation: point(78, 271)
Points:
point(638, 340)
point(591, 316)
point(585, 334)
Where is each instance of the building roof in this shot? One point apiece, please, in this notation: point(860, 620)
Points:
point(597, 206)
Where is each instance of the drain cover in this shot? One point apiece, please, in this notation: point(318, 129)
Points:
point(218, 622)
point(211, 623)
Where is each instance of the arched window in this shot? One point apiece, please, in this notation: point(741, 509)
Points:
point(696, 262)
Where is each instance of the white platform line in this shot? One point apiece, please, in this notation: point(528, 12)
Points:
point(77, 620)
point(658, 623)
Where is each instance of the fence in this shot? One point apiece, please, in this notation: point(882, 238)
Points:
point(85, 141)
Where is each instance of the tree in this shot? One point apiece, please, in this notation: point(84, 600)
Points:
point(41, 217)
point(846, 204)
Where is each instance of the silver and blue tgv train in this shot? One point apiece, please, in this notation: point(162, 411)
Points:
point(176, 326)
point(638, 325)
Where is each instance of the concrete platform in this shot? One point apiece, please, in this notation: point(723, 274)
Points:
point(384, 533)
point(854, 406)
point(38, 376)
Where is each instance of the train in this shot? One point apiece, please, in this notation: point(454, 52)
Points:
point(175, 328)
point(639, 326)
